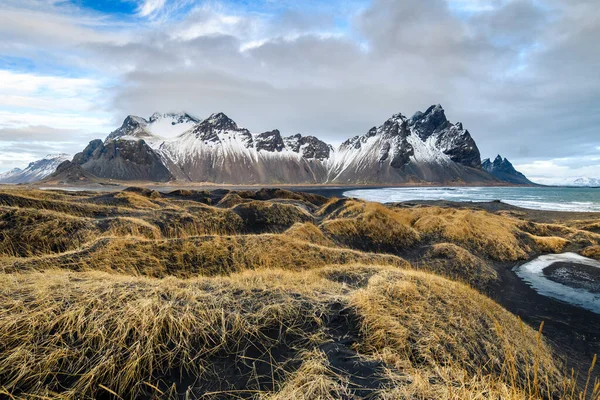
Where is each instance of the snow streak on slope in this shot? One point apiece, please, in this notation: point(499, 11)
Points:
point(424, 148)
point(35, 171)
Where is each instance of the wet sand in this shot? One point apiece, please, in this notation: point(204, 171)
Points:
point(579, 276)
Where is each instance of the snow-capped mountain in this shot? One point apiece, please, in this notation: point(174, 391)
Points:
point(423, 148)
point(35, 171)
point(218, 150)
point(502, 169)
point(589, 182)
point(570, 182)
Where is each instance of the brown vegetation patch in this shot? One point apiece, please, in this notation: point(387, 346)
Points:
point(263, 334)
point(201, 255)
point(370, 227)
point(414, 320)
point(260, 216)
point(453, 261)
point(591, 252)
point(31, 232)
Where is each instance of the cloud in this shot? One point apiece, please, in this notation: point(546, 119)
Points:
point(150, 7)
point(518, 73)
point(20, 146)
point(561, 170)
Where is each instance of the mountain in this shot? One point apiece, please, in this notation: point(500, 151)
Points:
point(123, 159)
point(571, 182)
point(35, 171)
point(423, 148)
point(502, 169)
point(70, 173)
point(426, 148)
point(586, 182)
point(218, 150)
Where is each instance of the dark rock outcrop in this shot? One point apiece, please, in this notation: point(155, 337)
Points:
point(308, 147)
point(123, 160)
point(71, 173)
point(502, 169)
point(269, 141)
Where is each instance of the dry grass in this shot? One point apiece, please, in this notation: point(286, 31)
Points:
point(309, 232)
point(273, 217)
point(480, 232)
point(369, 226)
point(453, 261)
point(550, 244)
point(201, 255)
point(147, 295)
point(591, 252)
point(31, 232)
point(261, 334)
point(413, 320)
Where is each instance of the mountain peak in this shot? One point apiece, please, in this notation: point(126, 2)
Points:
point(175, 117)
point(503, 169)
point(427, 123)
point(221, 121)
point(269, 141)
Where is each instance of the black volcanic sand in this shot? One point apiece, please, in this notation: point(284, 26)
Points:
point(579, 276)
point(573, 331)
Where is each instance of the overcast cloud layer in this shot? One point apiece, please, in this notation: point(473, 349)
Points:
point(522, 75)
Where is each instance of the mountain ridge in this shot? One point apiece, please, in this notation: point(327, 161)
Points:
point(503, 169)
point(35, 171)
point(424, 149)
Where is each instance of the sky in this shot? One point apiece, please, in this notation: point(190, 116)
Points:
point(523, 76)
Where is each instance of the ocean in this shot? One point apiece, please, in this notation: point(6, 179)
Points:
point(537, 198)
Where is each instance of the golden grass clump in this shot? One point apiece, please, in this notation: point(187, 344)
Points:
point(88, 335)
point(417, 321)
point(482, 233)
point(201, 255)
point(591, 252)
point(270, 216)
point(309, 232)
point(232, 199)
point(370, 227)
point(314, 380)
point(196, 220)
point(271, 194)
point(550, 244)
point(453, 261)
point(31, 232)
point(130, 226)
point(128, 199)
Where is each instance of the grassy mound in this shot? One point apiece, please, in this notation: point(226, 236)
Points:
point(200, 255)
point(262, 334)
point(260, 216)
point(591, 252)
point(453, 261)
point(31, 232)
point(369, 226)
point(413, 320)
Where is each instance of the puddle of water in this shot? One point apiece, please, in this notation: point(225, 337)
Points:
point(533, 274)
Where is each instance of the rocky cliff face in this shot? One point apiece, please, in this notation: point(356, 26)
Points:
point(502, 169)
point(425, 148)
point(122, 159)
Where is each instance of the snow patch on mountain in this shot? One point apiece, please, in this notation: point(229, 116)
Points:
point(35, 171)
